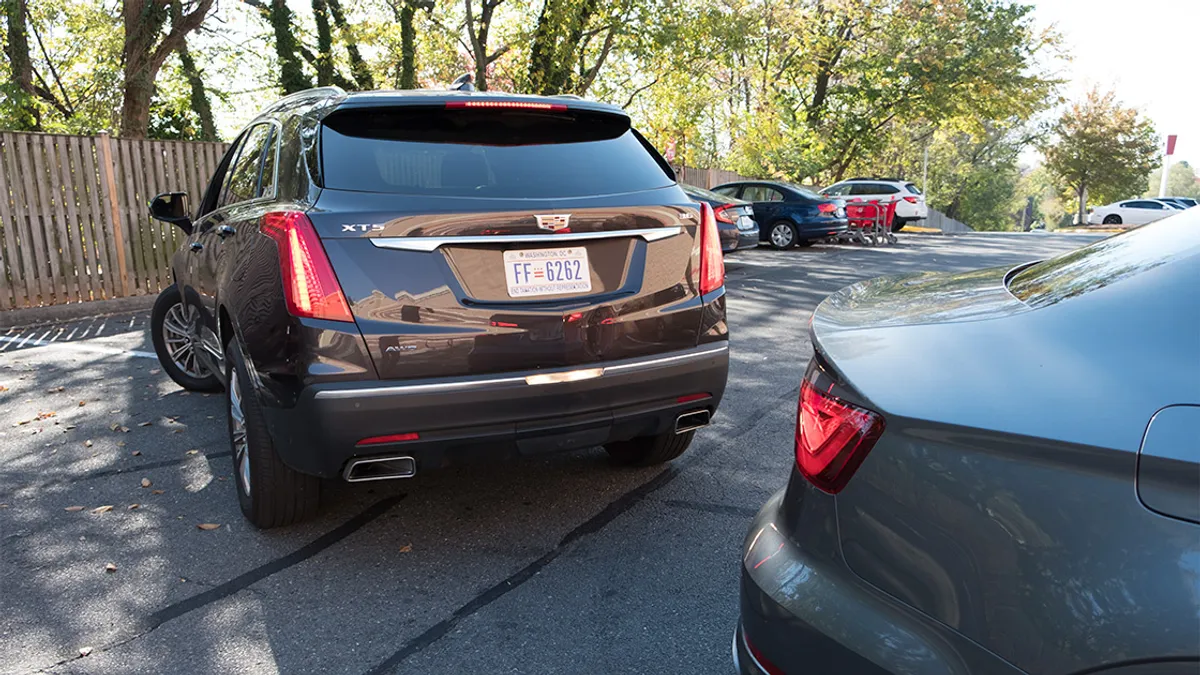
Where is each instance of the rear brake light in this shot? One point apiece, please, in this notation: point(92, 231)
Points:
point(712, 263)
point(911, 200)
point(310, 287)
point(832, 437)
point(391, 438)
point(827, 207)
point(512, 105)
point(721, 213)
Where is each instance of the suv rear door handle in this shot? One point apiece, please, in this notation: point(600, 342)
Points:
point(225, 231)
point(196, 246)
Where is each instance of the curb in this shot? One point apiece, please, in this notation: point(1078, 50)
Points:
point(36, 316)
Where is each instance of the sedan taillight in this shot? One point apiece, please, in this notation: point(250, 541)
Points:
point(723, 213)
point(827, 207)
point(712, 262)
point(310, 287)
point(832, 437)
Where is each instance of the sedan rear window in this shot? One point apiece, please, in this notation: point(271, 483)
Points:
point(1107, 262)
point(485, 153)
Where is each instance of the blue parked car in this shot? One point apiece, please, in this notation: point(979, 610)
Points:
point(789, 215)
point(735, 218)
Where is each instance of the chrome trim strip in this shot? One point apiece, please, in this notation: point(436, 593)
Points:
point(439, 387)
point(428, 244)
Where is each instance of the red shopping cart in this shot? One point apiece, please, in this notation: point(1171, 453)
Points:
point(870, 222)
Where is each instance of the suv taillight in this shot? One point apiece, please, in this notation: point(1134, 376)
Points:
point(722, 214)
point(911, 200)
point(309, 285)
point(712, 262)
point(832, 437)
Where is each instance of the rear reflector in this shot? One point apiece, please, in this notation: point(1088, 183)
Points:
point(832, 437)
point(310, 287)
point(691, 397)
point(722, 214)
point(391, 438)
point(514, 105)
point(764, 664)
point(827, 207)
point(712, 262)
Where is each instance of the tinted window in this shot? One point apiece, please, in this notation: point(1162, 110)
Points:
point(728, 190)
point(710, 196)
point(761, 193)
point(1143, 205)
point(266, 181)
point(837, 190)
point(225, 181)
point(243, 179)
point(1108, 261)
point(865, 189)
point(485, 153)
point(912, 188)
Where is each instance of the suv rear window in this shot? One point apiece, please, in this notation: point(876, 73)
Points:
point(485, 153)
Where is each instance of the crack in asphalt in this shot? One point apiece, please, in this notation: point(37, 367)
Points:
point(246, 579)
point(590, 526)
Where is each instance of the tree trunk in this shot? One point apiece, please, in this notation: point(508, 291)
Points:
point(324, 62)
point(145, 53)
point(17, 49)
point(358, 67)
point(199, 97)
point(287, 49)
point(408, 49)
point(1082, 193)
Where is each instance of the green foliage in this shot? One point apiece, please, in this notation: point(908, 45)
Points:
point(287, 49)
point(1102, 150)
point(1181, 182)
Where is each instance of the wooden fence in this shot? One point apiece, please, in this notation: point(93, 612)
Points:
point(74, 224)
point(73, 217)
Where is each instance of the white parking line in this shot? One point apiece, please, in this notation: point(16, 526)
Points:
point(74, 347)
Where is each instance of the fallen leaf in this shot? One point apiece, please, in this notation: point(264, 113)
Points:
point(133, 507)
point(407, 548)
point(82, 403)
point(135, 453)
point(3, 388)
point(120, 444)
point(146, 482)
point(53, 390)
point(102, 509)
point(84, 651)
point(144, 424)
point(74, 508)
point(87, 443)
point(208, 526)
point(192, 452)
point(114, 412)
point(46, 415)
point(114, 426)
point(155, 371)
point(3, 506)
point(110, 568)
point(157, 492)
point(123, 430)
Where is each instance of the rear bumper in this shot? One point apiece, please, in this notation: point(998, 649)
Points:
point(821, 228)
point(496, 416)
point(805, 611)
point(735, 240)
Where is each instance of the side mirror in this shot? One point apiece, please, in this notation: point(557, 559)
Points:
point(172, 207)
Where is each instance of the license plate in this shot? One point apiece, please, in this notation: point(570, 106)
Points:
point(547, 271)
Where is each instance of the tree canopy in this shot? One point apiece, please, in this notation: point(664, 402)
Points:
point(804, 90)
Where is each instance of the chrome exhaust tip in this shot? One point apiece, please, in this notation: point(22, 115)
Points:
point(380, 468)
point(690, 421)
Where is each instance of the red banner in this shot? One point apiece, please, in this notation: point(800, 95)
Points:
point(1171, 144)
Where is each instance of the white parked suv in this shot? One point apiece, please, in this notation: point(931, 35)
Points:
point(910, 203)
point(1132, 212)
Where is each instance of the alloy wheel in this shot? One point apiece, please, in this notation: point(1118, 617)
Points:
point(177, 337)
point(237, 432)
point(781, 235)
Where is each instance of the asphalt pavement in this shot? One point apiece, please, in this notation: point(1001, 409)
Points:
point(122, 549)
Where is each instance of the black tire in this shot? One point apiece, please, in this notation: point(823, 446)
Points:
point(782, 235)
point(898, 224)
point(805, 243)
point(1112, 219)
point(650, 450)
point(169, 299)
point(276, 495)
